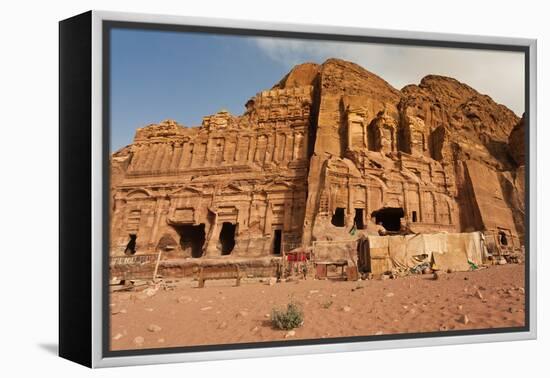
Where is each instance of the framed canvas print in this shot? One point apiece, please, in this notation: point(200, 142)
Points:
point(232, 189)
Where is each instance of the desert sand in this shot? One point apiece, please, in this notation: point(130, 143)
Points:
point(184, 315)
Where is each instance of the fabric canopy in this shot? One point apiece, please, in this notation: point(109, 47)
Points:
point(444, 250)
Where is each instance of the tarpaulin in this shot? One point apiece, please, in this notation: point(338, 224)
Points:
point(445, 250)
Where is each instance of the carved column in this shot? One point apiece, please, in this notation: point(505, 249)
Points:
point(420, 205)
point(251, 149)
point(289, 146)
point(166, 158)
point(269, 148)
point(186, 153)
point(282, 147)
point(135, 159)
point(151, 156)
point(365, 141)
point(296, 147)
point(305, 145)
point(176, 157)
point(211, 247)
point(161, 150)
point(287, 222)
point(349, 130)
point(268, 218)
point(276, 147)
point(208, 151)
point(156, 222)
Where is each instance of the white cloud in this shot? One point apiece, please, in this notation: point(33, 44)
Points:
point(498, 74)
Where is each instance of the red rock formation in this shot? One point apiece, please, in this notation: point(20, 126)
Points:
point(328, 147)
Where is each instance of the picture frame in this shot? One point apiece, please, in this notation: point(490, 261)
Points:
point(86, 197)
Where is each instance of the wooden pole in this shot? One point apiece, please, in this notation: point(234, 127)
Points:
point(157, 266)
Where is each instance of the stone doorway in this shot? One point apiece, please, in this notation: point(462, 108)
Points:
point(192, 239)
point(358, 220)
point(277, 242)
point(338, 218)
point(131, 246)
point(227, 238)
point(503, 240)
point(389, 217)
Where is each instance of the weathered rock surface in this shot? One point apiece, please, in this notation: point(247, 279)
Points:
point(328, 147)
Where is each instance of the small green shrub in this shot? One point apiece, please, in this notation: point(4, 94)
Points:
point(292, 318)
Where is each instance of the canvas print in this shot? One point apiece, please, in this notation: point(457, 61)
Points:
point(285, 190)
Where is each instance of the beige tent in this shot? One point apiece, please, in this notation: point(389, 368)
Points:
point(380, 254)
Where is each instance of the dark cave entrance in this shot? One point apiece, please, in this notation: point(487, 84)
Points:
point(131, 246)
point(277, 241)
point(192, 239)
point(227, 238)
point(358, 220)
point(338, 218)
point(503, 240)
point(389, 217)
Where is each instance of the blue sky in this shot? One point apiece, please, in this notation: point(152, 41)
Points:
point(159, 75)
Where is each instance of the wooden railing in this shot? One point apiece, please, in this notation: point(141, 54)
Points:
point(133, 260)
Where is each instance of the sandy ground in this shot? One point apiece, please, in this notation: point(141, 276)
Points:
point(221, 313)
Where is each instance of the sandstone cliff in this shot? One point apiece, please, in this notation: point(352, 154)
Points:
point(328, 148)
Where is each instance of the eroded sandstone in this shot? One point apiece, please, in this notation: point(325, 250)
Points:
point(329, 149)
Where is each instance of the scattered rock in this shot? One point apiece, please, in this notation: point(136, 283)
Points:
point(150, 291)
point(435, 276)
point(478, 294)
point(154, 328)
point(160, 341)
point(459, 307)
point(389, 295)
point(290, 334)
point(185, 299)
point(267, 316)
point(271, 281)
point(464, 319)
point(242, 313)
point(313, 291)
point(346, 308)
point(206, 308)
point(384, 277)
point(255, 329)
point(466, 278)
point(379, 333)
point(222, 325)
point(149, 309)
point(443, 328)
point(118, 336)
point(139, 340)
